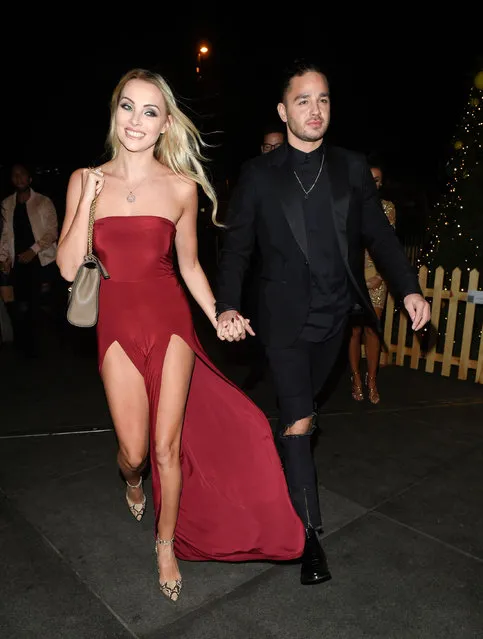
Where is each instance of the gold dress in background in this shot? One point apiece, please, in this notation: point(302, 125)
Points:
point(378, 295)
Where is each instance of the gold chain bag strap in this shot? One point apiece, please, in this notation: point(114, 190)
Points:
point(83, 305)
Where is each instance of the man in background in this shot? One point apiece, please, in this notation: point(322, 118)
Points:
point(273, 137)
point(28, 247)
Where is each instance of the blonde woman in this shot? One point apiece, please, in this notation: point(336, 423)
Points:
point(218, 486)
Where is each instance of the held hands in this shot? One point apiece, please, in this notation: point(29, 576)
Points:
point(6, 266)
point(232, 327)
point(418, 309)
point(27, 256)
point(92, 183)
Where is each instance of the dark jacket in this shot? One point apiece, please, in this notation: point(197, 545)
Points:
point(265, 209)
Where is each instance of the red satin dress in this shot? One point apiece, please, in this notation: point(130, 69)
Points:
point(234, 502)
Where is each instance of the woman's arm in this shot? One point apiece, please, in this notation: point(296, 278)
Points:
point(390, 211)
point(376, 280)
point(186, 243)
point(84, 185)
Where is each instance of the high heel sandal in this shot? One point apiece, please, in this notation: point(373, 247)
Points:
point(372, 391)
point(137, 510)
point(170, 589)
point(357, 392)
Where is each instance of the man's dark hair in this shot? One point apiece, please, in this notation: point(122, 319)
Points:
point(273, 127)
point(25, 166)
point(296, 68)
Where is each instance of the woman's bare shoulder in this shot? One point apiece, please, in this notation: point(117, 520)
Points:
point(184, 185)
point(76, 176)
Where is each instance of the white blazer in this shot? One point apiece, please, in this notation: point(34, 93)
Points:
point(43, 220)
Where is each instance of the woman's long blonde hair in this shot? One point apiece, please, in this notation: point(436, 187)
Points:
point(179, 147)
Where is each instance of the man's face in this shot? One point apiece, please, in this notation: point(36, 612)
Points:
point(306, 107)
point(20, 178)
point(272, 141)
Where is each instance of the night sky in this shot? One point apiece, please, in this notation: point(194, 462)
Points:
point(397, 87)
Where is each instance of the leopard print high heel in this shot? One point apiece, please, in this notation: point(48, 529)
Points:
point(137, 510)
point(170, 589)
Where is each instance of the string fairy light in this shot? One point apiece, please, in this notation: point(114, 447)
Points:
point(450, 242)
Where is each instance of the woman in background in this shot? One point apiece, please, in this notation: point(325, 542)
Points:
point(378, 294)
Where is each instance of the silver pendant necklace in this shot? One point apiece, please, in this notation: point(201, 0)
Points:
point(131, 197)
point(315, 181)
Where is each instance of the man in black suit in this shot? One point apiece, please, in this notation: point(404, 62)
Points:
point(312, 208)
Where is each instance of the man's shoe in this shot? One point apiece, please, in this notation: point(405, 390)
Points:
point(314, 562)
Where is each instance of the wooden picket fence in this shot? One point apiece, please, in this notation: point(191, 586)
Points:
point(453, 337)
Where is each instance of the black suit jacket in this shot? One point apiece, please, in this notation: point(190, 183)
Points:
point(266, 209)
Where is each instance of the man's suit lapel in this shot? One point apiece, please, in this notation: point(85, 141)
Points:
point(338, 171)
point(339, 194)
point(286, 187)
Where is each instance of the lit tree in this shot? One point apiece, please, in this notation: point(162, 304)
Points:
point(455, 233)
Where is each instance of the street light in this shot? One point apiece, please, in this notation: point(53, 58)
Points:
point(202, 51)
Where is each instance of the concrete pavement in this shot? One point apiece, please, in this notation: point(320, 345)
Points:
point(401, 486)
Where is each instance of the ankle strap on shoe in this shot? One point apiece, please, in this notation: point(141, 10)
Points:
point(164, 542)
point(135, 485)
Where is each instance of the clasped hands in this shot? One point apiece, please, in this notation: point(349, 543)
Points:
point(6, 266)
point(27, 256)
point(24, 258)
point(232, 327)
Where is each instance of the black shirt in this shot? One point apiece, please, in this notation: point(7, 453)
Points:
point(330, 297)
point(22, 231)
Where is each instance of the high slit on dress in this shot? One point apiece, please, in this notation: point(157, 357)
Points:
point(234, 503)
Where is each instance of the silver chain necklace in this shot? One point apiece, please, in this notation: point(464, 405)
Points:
point(315, 181)
point(131, 197)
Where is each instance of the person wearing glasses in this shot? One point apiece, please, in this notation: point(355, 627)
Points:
point(272, 139)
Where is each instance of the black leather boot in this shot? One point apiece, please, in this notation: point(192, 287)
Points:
point(301, 478)
point(299, 467)
point(314, 562)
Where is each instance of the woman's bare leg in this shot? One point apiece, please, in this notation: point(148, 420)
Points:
point(176, 378)
point(373, 352)
point(354, 361)
point(129, 408)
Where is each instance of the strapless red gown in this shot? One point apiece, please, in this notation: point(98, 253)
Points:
point(234, 504)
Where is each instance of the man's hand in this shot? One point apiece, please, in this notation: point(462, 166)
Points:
point(6, 266)
point(232, 327)
point(27, 256)
point(418, 309)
